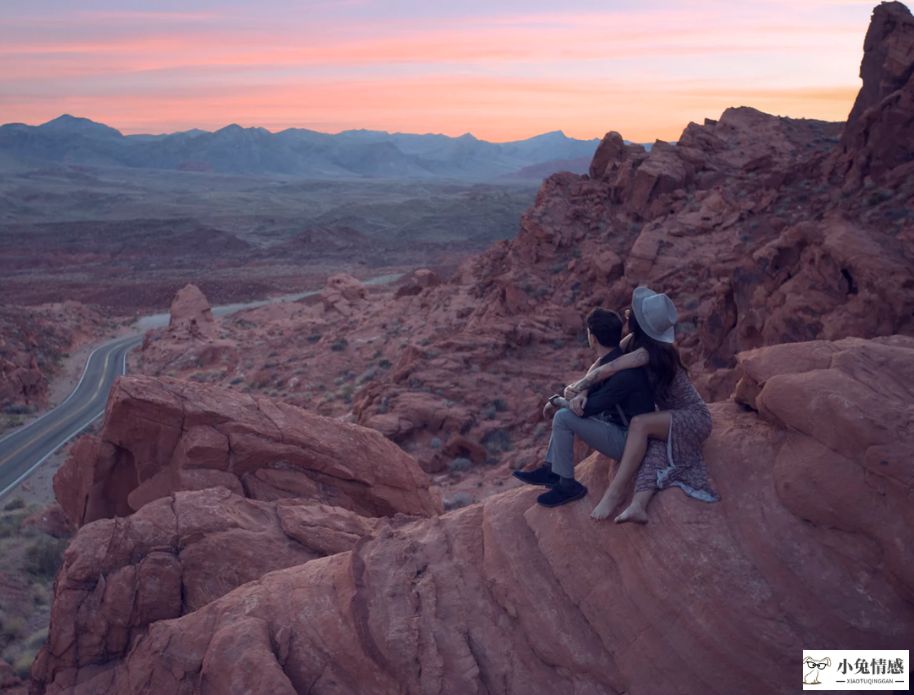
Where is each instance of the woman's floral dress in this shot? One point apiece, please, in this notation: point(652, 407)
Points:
point(678, 461)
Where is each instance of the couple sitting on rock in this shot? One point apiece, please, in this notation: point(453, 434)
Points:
point(614, 410)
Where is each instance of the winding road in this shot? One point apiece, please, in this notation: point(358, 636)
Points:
point(23, 450)
point(27, 448)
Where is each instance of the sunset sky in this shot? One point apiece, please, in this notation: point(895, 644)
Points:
point(500, 69)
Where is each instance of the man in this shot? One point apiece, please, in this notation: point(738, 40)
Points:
point(600, 418)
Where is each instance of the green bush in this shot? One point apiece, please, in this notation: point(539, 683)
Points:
point(23, 664)
point(45, 557)
point(15, 503)
point(14, 628)
point(340, 345)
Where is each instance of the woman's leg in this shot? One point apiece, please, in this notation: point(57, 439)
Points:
point(637, 510)
point(642, 428)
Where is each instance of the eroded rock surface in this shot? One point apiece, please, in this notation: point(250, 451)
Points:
point(810, 544)
point(174, 556)
point(161, 436)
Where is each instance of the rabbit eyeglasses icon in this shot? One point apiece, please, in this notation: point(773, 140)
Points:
point(813, 666)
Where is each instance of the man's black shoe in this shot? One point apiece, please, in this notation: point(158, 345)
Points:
point(541, 476)
point(562, 495)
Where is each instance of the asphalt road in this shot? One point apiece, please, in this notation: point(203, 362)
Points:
point(27, 448)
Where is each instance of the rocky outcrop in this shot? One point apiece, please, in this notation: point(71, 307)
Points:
point(52, 520)
point(161, 436)
point(174, 556)
point(33, 341)
point(10, 684)
point(880, 128)
point(191, 313)
point(810, 544)
point(343, 294)
point(191, 340)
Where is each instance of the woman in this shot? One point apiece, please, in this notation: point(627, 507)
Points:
point(676, 432)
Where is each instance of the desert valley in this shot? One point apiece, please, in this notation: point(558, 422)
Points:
point(315, 495)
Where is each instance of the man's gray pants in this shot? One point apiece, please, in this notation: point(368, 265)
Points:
point(605, 437)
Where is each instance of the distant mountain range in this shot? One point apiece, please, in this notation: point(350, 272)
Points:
point(292, 152)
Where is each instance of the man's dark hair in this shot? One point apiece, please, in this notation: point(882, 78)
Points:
point(606, 326)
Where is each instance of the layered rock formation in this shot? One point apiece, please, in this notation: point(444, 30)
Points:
point(164, 435)
point(174, 556)
point(810, 544)
point(33, 341)
point(879, 136)
point(343, 294)
point(192, 339)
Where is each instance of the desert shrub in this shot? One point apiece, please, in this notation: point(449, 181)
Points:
point(45, 556)
point(488, 413)
point(558, 344)
point(893, 214)
point(37, 639)
point(339, 345)
point(14, 628)
point(39, 595)
point(236, 380)
point(384, 363)
point(15, 503)
point(500, 405)
point(22, 665)
point(880, 195)
point(435, 443)
point(691, 303)
point(459, 464)
point(539, 431)
point(497, 441)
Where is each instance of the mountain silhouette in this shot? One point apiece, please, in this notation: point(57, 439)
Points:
point(292, 152)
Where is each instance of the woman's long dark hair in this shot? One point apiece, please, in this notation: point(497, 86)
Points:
point(665, 361)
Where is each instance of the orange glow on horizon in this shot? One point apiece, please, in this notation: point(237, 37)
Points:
point(502, 78)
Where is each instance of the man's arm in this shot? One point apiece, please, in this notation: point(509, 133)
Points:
point(613, 392)
point(632, 360)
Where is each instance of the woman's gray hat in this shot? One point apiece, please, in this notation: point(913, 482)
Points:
point(655, 314)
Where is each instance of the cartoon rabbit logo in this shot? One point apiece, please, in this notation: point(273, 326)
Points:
point(812, 667)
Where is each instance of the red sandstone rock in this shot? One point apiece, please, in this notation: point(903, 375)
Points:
point(190, 311)
point(880, 129)
point(163, 435)
point(173, 557)
point(33, 340)
point(9, 683)
point(52, 520)
point(811, 544)
point(191, 339)
point(343, 293)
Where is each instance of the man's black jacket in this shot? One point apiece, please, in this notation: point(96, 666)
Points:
point(628, 389)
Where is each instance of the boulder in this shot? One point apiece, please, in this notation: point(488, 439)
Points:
point(190, 312)
point(52, 520)
point(343, 294)
point(173, 557)
point(164, 435)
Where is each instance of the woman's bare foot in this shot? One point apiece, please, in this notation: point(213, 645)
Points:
point(607, 505)
point(634, 512)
